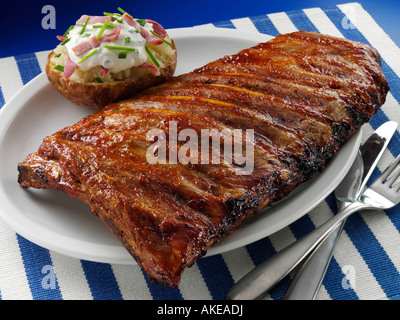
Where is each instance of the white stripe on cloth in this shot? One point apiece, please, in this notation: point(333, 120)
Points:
point(70, 277)
point(323, 294)
point(205, 26)
point(239, 262)
point(131, 282)
point(13, 281)
point(321, 21)
point(42, 58)
point(282, 22)
point(282, 238)
point(244, 24)
point(12, 82)
point(193, 286)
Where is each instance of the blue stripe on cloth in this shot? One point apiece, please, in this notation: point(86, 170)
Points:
point(216, 275)
point(39, 271)
point(162, 293)
point(28, 66)
point(224, 24)
point(331, 202)
point(264, 25)
point(302, 226)
point(260, 250)
point(2, 100)
point(301, 21)
point(101, 280)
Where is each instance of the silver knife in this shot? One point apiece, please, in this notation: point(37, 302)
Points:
point(308, 280)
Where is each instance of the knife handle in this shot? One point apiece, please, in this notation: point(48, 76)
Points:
point(308, 280)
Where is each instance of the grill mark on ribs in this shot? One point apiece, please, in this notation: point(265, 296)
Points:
point(303, 93)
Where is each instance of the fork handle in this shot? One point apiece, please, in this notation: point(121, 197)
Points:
point(267, 274)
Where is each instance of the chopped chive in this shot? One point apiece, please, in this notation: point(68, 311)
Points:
point(127, 39)
point(116, 109)
point(114, 16)
point(88, 55)
point(158, 36)
point(122, 54)
point(152, 57)
point(103, 28)
point(142, 22)
point(111, 14)
point(84, 26)
point(57, 56)
point(119, 48)
point(122, 10)
point(65, 41)
point(59, 68)
point(110, 26)
point(98, 80)
point(86, 35)
point(68, 30)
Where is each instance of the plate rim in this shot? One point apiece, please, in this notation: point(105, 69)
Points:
point(121, 256)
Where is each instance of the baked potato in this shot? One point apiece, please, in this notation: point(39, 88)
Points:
point(103, 59)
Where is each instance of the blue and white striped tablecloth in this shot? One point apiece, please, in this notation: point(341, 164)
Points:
point(368, 251)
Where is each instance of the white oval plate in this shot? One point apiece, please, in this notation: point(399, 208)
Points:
point(57, 222)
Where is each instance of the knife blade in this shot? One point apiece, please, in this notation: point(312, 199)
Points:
point(308, 280)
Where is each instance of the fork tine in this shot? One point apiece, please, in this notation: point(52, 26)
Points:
point(393, 177)
point(386, 173)
point(396, 187)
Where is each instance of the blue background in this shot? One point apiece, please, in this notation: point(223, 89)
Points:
point(22, 31)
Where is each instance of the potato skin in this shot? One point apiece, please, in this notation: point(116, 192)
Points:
point(98, 95)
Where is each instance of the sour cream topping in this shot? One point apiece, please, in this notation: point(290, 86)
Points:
point(114, 60)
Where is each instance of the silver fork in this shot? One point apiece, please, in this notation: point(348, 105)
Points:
point(382, 194)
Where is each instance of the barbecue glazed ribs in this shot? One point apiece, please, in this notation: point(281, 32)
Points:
point(303, 94)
